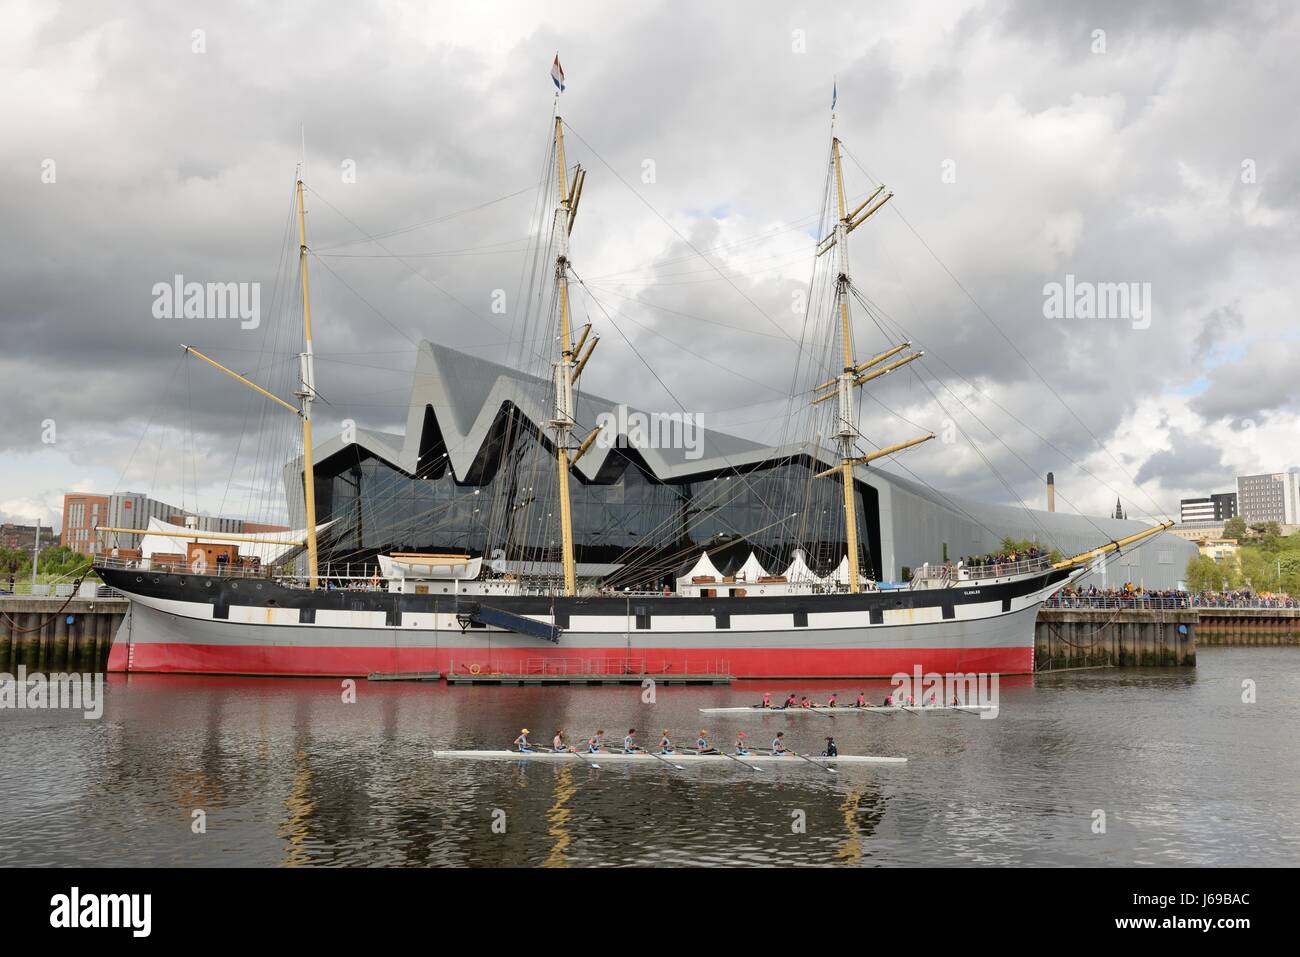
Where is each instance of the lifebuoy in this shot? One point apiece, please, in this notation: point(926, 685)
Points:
point(474, 669)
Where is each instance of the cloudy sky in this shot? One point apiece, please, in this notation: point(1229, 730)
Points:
point(1024, 144)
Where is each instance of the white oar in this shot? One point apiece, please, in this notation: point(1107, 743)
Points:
point(817, 764)
point(751, 767)
point(665, 761)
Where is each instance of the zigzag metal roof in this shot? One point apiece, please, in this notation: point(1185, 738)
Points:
point(458, 399)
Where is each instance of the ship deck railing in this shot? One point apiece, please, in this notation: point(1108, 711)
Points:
point(955, 572)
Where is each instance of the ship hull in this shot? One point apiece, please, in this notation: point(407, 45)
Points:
point(189, 624)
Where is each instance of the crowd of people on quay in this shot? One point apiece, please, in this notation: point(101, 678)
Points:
point(1135, 596)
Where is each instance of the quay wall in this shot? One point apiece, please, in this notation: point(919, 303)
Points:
point(46, 635)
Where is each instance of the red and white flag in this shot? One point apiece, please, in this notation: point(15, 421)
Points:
point(557, 74)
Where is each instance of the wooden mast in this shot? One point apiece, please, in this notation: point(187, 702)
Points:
point(306, 393)
point(853, 373)
point(562, 420)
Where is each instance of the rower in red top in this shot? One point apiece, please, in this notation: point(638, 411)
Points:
point(862, 700)
point(791, 701)
point(830, 702)
point(767, 699)
point(804, 702)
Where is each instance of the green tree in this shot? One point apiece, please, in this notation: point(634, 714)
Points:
point(1235, 527)
point(1204, 574)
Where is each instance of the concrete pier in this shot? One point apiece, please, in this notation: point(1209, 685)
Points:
point(1249, 626)
point(1086, 637)
point(44, 635)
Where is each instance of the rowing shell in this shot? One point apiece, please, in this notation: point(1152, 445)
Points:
point(877, 709)
point(643, 757)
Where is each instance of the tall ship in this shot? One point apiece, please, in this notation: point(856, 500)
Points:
point(807, 603)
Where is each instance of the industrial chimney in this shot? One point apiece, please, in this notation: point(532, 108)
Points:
point(1051, 493)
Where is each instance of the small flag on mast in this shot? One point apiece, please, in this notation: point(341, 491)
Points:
point(557, 74)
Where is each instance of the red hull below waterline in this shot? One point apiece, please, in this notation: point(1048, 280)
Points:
point(336, 661)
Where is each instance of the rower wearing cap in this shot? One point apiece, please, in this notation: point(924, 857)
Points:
point(740, 744)
point(596, 743)
point(629, 741)
point(831, 751)
point(521, 742)
point(702, 745)
point(665, 743)
point(778, 743)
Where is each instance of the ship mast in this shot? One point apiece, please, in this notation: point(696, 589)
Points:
point(306, 393)
point(853, 373)
point(569, 365)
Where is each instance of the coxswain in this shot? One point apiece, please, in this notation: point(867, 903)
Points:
point(665, 743)
point(791, 701)
point(521, 742)
point(740, 743)
point(596, 743)
point(702, 745)
point(862, 699)
point(629, 741)
point(557, 742)
point(831, 751)
point(767, 699)
point(830, 702)
point(778, 743)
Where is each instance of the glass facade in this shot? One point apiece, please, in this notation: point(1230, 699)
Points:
point(507, 507)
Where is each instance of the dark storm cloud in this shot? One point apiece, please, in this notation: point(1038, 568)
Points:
point(1191, 462)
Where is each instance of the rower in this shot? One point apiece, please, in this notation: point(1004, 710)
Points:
point(862, 700)
point(831, 751)
point(830, 702)
point(557, 742)
point(629, 742)
point(665, 743)
point(933, 703)
point(791, 701)
point(596, 743)
point(740, 744)
point(889, 700)
point(954, 699)
point(804, 702)
point(767, 699)
point(778, 743)
point(521, 742)
point(702, 745)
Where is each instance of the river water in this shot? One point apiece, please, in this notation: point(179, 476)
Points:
point(284, 772)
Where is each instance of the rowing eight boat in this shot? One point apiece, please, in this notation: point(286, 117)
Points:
point(641, 757)
point(875, 709)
